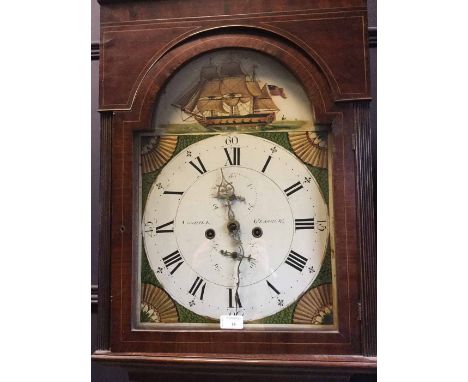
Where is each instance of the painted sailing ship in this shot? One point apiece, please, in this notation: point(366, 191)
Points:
point(225, 95)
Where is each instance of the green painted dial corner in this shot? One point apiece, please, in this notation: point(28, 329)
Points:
point(185, 141)
point(187, 316)
point(325, 273)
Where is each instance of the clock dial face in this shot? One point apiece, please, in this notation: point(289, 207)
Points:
point(235, 224)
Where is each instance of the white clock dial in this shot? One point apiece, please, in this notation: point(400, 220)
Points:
point(282, 223)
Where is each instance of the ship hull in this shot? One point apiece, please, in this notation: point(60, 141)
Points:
point(230, 120)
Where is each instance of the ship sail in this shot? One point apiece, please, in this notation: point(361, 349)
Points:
point(190, 105)
point(211, 89)
point(235, 86)
point(264, 102)
point(231, 69)
point(209, 72)
point(206, 104)
point(188, 100)
point(254, 88)
point(231, 101)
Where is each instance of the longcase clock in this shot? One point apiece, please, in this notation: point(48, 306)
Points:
point(237, 232)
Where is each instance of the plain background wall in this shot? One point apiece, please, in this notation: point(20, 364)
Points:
point(100, 373)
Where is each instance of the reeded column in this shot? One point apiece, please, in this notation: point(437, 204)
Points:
point(367, 228)
point(103, 340)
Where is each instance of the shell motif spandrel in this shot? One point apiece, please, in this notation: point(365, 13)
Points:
point(311, 147)
point(156, 305)
point(315, 307)
point(156, 152)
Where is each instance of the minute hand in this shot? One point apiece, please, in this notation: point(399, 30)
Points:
point(226, 192)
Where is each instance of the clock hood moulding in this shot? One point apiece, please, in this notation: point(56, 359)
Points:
point(130, 84)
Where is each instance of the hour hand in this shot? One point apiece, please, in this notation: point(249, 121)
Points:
point(236, 197)
point(233, 255)
point(229, 197)
point(236, 255)
point(228, 194)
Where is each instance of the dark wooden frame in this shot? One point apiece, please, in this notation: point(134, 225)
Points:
point(339, 102)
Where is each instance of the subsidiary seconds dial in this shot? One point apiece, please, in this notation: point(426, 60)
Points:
point(235, 224)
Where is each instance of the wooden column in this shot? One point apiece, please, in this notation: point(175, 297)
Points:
point(367, 228)
point(103, 340)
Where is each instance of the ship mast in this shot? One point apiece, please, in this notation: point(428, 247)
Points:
point(234, 86)
point(254, 80)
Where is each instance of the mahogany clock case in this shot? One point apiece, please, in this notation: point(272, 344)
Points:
point(325, 47)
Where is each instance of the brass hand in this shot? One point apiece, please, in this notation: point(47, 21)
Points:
point(227, 193)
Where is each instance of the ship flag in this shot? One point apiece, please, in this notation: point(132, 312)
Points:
point(276, 91)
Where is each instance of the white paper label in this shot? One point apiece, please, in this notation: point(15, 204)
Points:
point(231, 322)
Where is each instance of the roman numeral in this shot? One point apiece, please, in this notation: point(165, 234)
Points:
point(235, 159)
point(196, 285)
point(292, 189)
point(160, 229)
point(272, 287)
point(173, 192)
point(296, 261)
point(266, 163)
point(305, 223)
point(238, 302)
point(201, 170)
point(171, 259)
